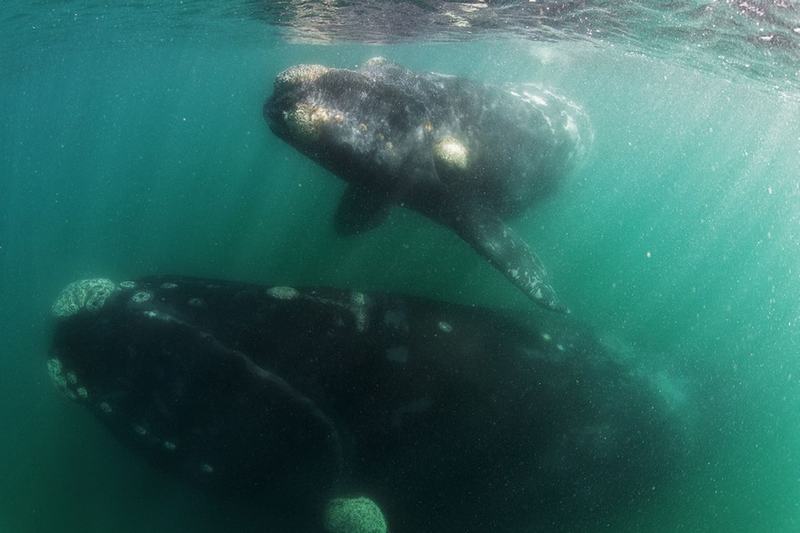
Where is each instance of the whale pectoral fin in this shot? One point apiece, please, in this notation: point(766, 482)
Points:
point(360, 210)
point(507, 252)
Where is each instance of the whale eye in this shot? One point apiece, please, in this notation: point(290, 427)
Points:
point(451, 153)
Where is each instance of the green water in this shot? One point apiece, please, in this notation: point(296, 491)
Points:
point(128, 151)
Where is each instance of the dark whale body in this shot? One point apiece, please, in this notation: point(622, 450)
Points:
point(453, 418)
point(465, 154)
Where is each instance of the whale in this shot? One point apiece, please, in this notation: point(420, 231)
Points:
point(465, 154)
point(450, 418)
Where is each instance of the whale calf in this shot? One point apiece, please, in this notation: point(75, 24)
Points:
point(465, 154)
point(452, 418)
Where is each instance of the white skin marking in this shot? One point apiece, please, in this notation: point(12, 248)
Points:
point(141, 297)
point(283, 293)
point(359, 302)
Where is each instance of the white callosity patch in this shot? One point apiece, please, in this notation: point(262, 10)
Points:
point(196, 302)
point(105, 407)
point(141, 297)
point(452, 153)
point(158, 315)
point(169, 446)
point(169, 285)
point(55, 370)
point(127, 284)
point(89, 294)
point(445, 327)
point(206, 468)
point(546, 337)
point(358, 304)
point(306, 120)
point(301, 74)
point(65, 381)
point(139, 430)
point(283, 293)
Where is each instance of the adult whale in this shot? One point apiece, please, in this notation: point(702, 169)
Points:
point(453, 418)
point(465, 154)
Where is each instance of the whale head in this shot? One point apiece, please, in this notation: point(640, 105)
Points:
point(358, 126)
point(142, 357)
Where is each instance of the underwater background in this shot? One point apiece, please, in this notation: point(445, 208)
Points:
point(132, 142)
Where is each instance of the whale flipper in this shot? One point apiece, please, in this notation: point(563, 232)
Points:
point(360, 209)
point(505, 250)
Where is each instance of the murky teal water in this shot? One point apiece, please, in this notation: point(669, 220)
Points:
point(128, 150)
